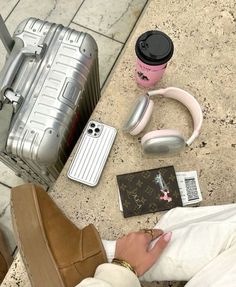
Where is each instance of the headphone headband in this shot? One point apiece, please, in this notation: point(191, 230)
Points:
point(189, 102)
point(164, 141)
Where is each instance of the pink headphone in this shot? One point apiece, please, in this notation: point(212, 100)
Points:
point(166, 141)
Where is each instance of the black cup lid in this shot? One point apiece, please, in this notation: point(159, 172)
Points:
point(154, 48)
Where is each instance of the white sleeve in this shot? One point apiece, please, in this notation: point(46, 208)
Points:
point(221, 271)
point(111, 275)
point(202, 247)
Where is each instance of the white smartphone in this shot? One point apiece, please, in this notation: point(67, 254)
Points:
point(92, 153)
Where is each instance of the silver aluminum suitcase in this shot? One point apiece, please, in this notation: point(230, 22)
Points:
point(51, 80)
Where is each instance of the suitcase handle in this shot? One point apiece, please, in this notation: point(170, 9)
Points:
point(16, 58)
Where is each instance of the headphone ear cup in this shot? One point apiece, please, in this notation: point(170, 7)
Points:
point(163, 142)
point(142, 107)
point(143, 120)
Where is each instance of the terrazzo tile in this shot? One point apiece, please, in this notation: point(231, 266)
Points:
point(5, 216)
point(19, 278)
point(113, 18)
point(108, 51)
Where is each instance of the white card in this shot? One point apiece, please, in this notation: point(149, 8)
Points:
point(189, 187)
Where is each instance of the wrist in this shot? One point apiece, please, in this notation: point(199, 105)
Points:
point(124, 264)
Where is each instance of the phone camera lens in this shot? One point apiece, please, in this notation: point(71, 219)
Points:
point(92, 125)
point(97, 130)
point(90, 131)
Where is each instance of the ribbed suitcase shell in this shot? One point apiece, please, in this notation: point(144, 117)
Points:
point(59, 93)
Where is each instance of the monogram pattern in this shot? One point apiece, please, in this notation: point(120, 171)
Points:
point(140, 193)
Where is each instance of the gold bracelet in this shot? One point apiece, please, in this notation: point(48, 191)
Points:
point(124, 264)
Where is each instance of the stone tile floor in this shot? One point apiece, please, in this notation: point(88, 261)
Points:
point(110, 22)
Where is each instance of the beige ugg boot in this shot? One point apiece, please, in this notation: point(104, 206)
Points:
point(56, 253)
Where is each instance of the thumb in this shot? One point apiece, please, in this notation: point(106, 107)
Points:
point(161, 244)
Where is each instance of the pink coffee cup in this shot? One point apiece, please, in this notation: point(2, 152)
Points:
point(153, 50)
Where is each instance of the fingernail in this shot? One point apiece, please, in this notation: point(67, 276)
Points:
point(167, 236)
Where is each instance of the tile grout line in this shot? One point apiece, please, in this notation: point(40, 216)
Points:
point(97, 32)
point(76, 12)
point(90, 29)
point(6, 185)
point(135, 23)
point(12, 11)
point(144, 7)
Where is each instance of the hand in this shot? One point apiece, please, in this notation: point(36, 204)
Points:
point(134, 248)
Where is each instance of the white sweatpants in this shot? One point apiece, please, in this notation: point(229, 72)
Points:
point(202, 250)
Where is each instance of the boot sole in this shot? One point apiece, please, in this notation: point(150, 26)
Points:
point(28, 227)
